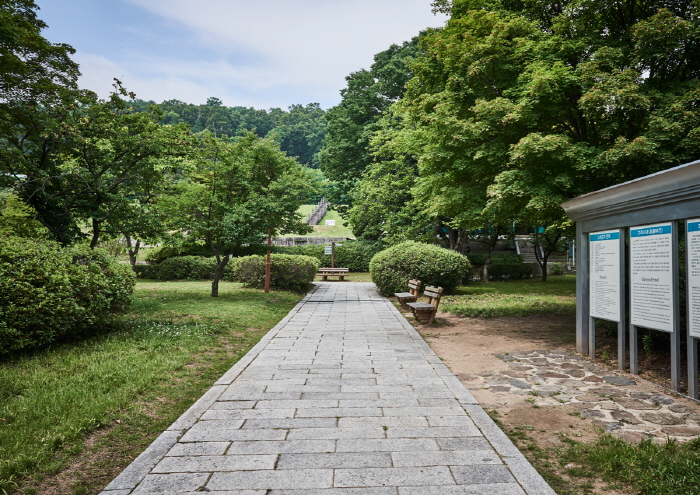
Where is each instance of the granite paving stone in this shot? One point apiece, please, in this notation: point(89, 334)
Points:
point(342, 397)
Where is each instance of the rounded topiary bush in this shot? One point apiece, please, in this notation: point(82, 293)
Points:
point(287, 272)
point(392, 268)
point(47, 291)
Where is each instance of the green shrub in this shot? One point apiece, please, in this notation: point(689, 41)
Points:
point(47, 291)
point(179, 268)
point(497, 258)
point(354, 255)
point(108, 278)
point(315, 251)
point(555, 268)
point(146, 271)
point(290, 272)
point(162, 253)
point(392, 268)
point(508, 271)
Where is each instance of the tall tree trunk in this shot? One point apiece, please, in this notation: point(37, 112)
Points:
point(95, 233)
point(218, 272)
point(491, 245)
point(539, 256)
point(132, 249)
point(485, 269)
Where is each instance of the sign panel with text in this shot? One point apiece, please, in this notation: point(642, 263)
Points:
point(604, 275)
point(692, 250)
point(651, 276)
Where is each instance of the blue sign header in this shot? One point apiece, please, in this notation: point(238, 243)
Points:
point(608, 236)
point(645, 231)
point(693, 226)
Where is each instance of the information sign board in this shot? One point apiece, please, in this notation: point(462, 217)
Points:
point(605, 275)
point(651, 277)
point(328, 250)
point(692, 250)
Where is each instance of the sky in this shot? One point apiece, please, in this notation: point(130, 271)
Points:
point(259, 53)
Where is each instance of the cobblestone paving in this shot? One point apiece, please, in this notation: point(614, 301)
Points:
point(621, 404)
point(342, 397)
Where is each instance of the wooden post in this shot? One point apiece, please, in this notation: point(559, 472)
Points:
point(332, 254)
point(267, 264)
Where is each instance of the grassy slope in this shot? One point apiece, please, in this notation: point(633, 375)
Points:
point(130, 382)
point(323, 230)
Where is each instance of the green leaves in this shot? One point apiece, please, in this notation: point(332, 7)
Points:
point(238, 192)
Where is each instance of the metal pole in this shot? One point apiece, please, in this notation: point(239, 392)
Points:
point(622, 324)
point(634, 351)
point(676, 335)
point(268, 264)
point(692, 343)
point(582, 292)
point(692, 367)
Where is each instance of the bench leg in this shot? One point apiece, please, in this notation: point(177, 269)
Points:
point(432, 317)
point(325, 277)
point(342, 278)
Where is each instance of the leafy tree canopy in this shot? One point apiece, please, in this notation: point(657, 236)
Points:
point(238, 192)
point(31, 68)
point(351, 124)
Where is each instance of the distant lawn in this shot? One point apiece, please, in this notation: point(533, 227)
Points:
point(127, 383)
point(513, 298)
point(306, 209)
point(323, 230)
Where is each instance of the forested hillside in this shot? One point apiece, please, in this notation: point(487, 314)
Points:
point(300, 130)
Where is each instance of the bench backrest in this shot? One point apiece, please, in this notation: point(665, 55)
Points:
point(433, 294)
point(334, 270)
point(414, 286)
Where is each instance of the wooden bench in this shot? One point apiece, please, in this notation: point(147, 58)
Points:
point(425, 311)
point(333, 272)
point(411, 295)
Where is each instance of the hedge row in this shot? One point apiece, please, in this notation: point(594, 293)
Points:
point(354, 255)
point(497, 258)
point(287, 272)
point(47, 291)
point(292, 272)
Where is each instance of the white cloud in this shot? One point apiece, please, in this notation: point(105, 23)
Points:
point(267, 44)
point(264, 53)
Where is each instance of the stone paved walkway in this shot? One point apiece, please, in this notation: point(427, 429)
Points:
point(342, 397)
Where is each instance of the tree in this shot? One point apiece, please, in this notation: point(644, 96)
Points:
point(88, 163)
point(301, 131)
point(346, 152)
point(239, 192)
point(383, 205)
point(522, 105)
point(32, 70)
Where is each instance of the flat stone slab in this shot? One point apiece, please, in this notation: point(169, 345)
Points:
point(342, 397)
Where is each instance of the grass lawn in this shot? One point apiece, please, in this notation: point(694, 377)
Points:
point(306, 209)
point(121, 387)
point(337, 230)
point(323, 230)
point(513, 298)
